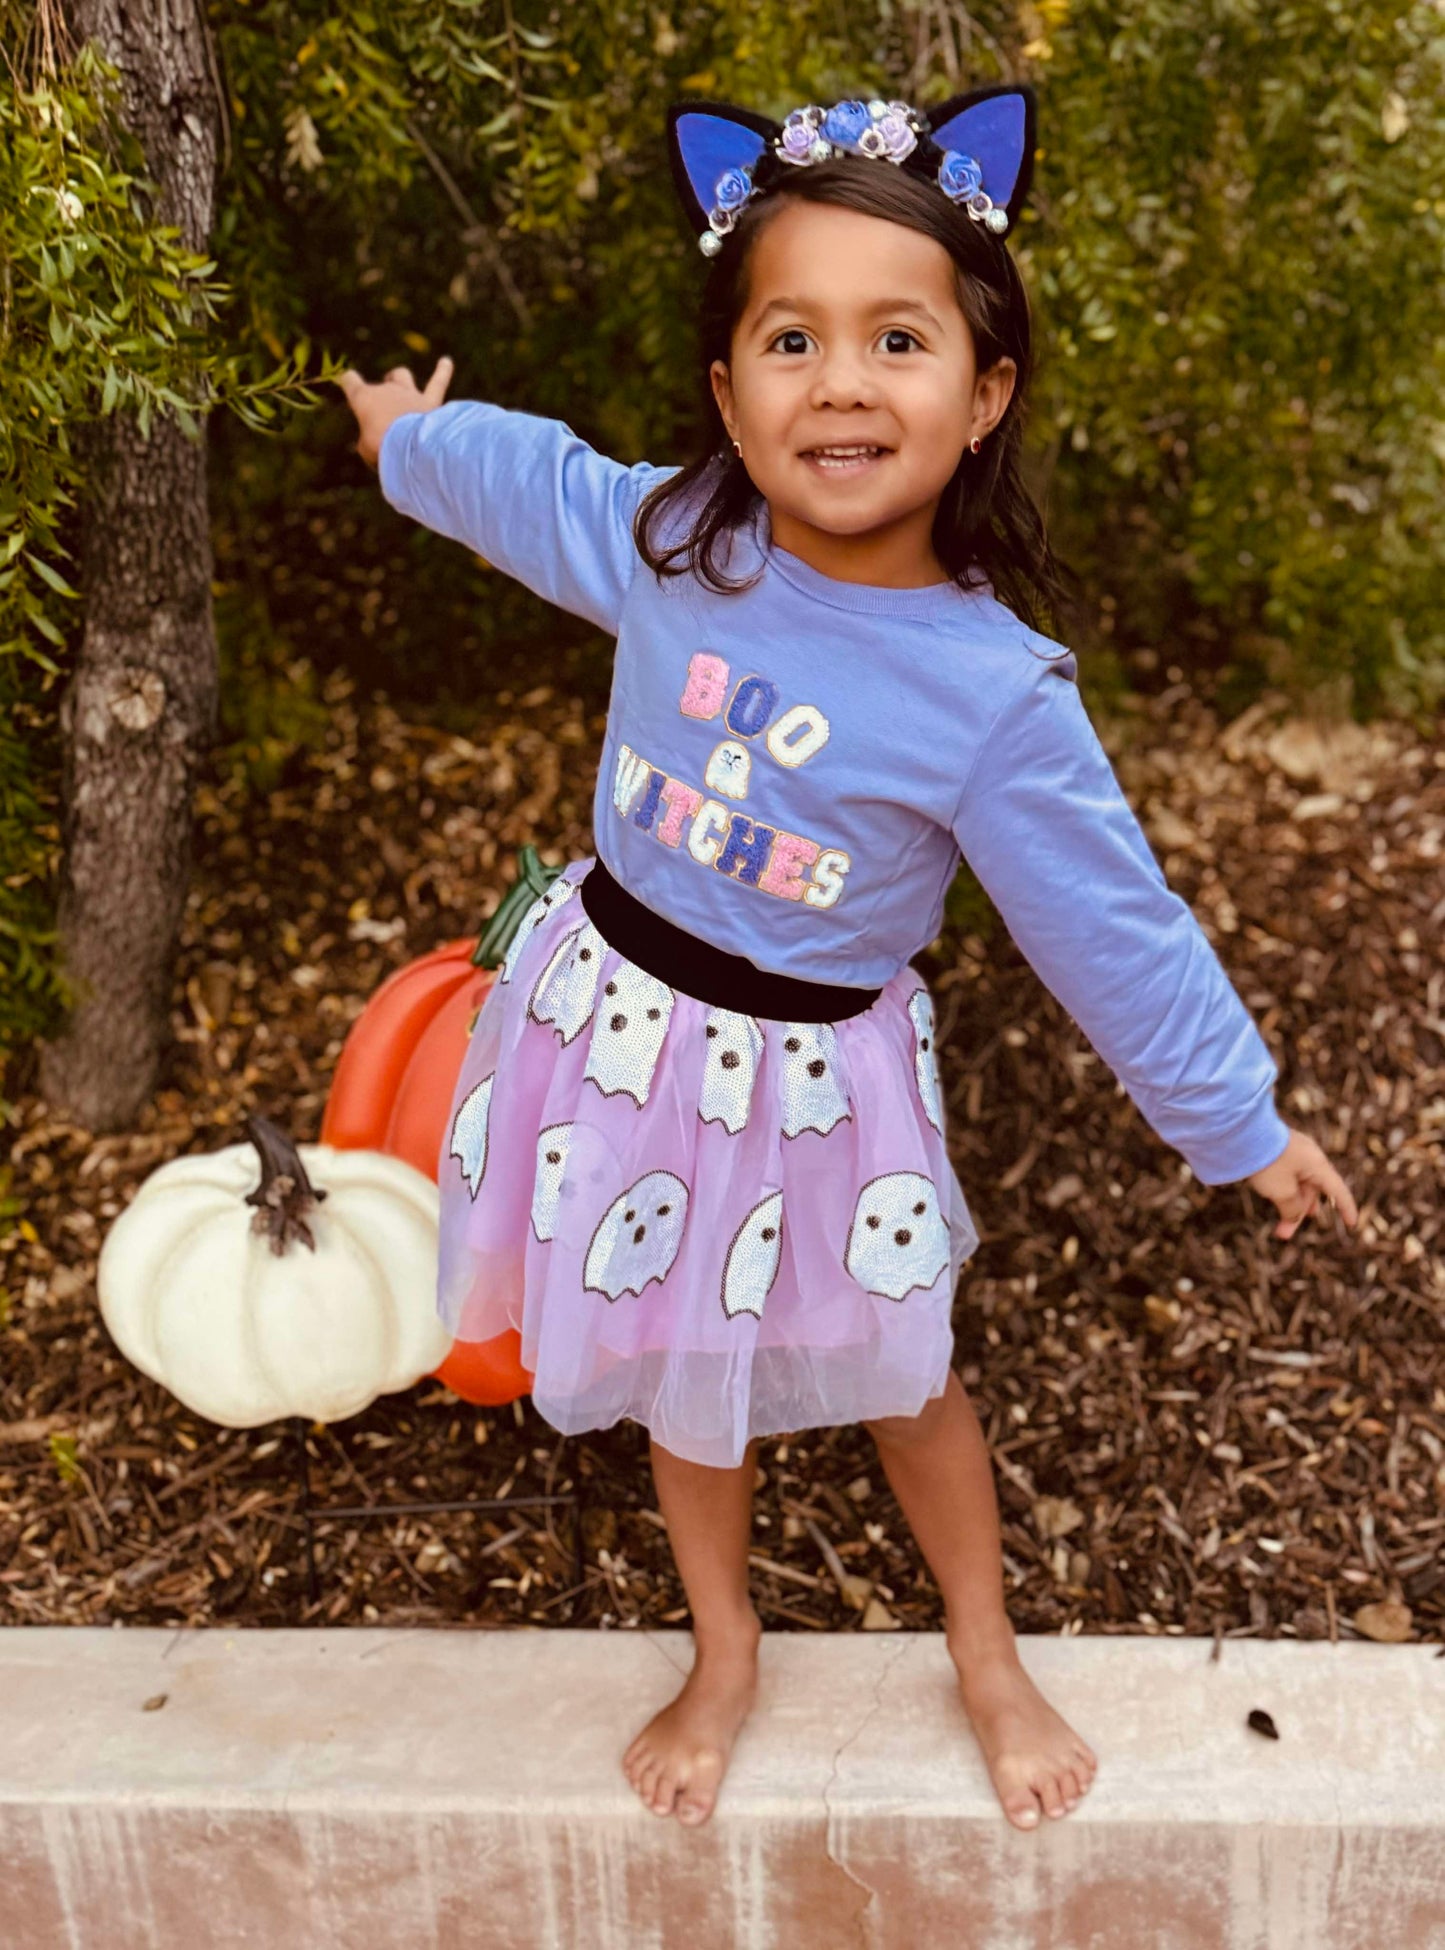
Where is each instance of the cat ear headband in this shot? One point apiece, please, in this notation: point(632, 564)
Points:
point(978, 148)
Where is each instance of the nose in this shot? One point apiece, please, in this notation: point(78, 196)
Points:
point(843, 379)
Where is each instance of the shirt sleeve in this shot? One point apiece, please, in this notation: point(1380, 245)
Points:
point(1045, 826)
point(526, 494)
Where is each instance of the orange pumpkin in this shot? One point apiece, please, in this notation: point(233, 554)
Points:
point(394, 1083)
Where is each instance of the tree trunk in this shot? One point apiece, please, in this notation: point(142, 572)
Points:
point(139, 714)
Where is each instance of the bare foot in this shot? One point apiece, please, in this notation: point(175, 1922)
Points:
point(1035, 1759)
point(677, 1762)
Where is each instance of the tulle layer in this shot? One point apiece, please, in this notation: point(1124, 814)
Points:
point(717, 1225)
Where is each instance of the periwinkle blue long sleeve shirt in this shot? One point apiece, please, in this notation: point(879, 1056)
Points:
point(792, 772)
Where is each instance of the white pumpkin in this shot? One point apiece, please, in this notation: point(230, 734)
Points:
point(250, 1298)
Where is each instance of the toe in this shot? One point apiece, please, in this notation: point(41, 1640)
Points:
point(1022, 1808)
point(1071, 1787)
point(694, 1808)
point(665, 1792)
point(1046, 1787)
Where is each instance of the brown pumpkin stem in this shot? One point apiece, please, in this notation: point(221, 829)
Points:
point(285, 1193)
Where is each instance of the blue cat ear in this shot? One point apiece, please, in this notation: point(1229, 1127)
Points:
point(996, 127)
point(704, 139)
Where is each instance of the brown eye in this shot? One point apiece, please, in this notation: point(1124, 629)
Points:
point(770, 1232)
point(711, 1030)
point(554, 1157)
point(792, 1046)
point(873, 1221)
point(611, 989)
point(663, 1210)
point(653, 1014)
point(921, 1207)
point(584, 954)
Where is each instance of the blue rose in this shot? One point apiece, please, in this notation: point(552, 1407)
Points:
point(959, 175)
point(732, 190)
point(845, 122)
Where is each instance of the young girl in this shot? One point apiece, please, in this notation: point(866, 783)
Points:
point(696, 1153)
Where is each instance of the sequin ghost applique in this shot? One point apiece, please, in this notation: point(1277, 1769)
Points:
point(557, 895)
point(734, 1050)
point(898, 1239)
point(469, 1133)
point(628, 1032)
point(813, 1096)
point(639, 1236)
point(925, 1057)
point(753, 1259)
point(566, 991)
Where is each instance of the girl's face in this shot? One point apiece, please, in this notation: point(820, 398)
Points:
point(853, 338)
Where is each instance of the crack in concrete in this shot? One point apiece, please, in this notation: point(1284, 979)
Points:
point(828, 1818)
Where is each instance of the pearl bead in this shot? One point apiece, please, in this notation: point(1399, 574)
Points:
point(709, 243)
point(997, 220)
point(821, 150)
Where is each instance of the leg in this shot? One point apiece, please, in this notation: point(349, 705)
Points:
point(938, 1466)
point(677, 1761)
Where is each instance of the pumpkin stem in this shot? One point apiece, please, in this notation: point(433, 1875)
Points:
point(532, 880)
point(285, 1193)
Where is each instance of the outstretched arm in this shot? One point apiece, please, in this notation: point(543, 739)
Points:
point(1045, 826)
point(521, 490)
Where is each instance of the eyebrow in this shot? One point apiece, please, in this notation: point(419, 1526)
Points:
point(880, 305)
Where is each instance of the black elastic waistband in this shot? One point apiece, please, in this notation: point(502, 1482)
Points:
point(685, 962)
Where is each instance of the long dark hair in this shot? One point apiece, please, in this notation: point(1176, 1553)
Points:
point(986, 519)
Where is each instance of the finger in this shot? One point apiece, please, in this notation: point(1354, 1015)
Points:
point(349, 381)
point(1338, 1193)
point(436, 386)
point(402, 376)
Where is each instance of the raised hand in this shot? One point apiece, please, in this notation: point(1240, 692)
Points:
point(377, 406)
point(1297, 1180)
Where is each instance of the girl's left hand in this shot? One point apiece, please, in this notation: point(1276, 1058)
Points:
point(1297, 1180)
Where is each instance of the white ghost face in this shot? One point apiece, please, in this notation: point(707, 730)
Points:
point(734, 1050)
point(753, 1259)
point(639, 1236)
point(632, 1017)
point(566, 990)
point(469, 1132)
point(813, 1096)
point(925, 1057)
point(898, 1239)
point(728, 770)
point(560, 892)
point(552, 1147)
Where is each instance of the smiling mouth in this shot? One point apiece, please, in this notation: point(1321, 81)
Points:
point(853, 458)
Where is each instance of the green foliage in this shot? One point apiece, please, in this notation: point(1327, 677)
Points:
point(1240, 288)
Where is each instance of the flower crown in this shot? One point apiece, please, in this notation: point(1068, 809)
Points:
point(978, 148)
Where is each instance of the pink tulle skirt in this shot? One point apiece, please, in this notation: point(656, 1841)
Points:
point(718, 1225)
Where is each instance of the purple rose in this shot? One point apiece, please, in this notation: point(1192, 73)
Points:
point(732, 190)
point(845, 122)
point(898, 139)
point(797, 140)
point(959, 175)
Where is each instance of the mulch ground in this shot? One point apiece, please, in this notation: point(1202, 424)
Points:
point(1197, 1428)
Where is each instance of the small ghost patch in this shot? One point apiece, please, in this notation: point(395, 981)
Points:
point(898, 1239)
point(469, 1132)
point(638, 1238)
point(553, 1144)
point(560, 892)
point(925, 1057)
point(728, 770)
point(627, 1032)
point(753, 1259)
point(566, 990)
point(813, 1097)
point(734, 1050)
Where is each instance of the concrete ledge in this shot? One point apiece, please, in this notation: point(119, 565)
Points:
point(366, 1789)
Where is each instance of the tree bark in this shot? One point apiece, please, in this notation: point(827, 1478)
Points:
point(139, 714)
